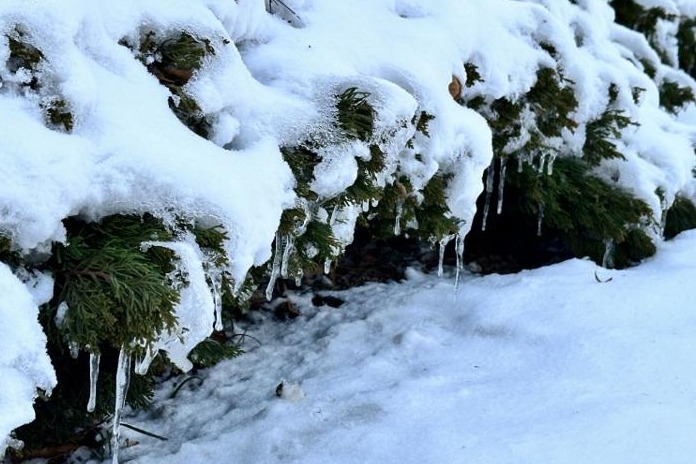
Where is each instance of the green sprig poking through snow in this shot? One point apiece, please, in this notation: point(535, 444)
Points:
point(173, 61)
point(28, 64)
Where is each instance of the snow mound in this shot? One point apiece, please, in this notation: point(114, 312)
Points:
point(24, 363)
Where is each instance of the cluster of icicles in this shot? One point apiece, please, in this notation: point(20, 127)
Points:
point(545, 165)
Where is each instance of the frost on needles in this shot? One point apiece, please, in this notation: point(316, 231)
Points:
point(162, 162)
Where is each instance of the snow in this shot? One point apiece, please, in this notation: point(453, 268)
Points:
point(271, 84)
point(24, 363)
point(549, 365)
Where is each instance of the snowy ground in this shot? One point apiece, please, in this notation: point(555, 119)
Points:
point(545, 366)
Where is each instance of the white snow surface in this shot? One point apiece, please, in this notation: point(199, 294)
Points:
point(544, 366)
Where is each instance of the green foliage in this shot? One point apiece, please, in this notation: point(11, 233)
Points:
point(472, 75)
point(22, 54)
point(59, 115)
point(365, 187)
point(504, 118)
point(116, 292)
point(184, 52)
point(582, 209)
point(422, 121)
point(312, 237)
point(212, 239)
point(636, 246)
point(320, 237)
point(211, 351)
point(553, 101)
point(188, 112)
point(680, 216)
point(634, 16)
point(173, 61)
point(673, 97)
point(686, 37)
point(8, 254)
point(599, 135)
point(302, 161)
point(355, 115)
point(432, 215)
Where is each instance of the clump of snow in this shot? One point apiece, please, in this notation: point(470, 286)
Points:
point(195, 312)
point(24, 363)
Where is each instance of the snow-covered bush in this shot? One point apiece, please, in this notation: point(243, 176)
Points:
point(156, 156)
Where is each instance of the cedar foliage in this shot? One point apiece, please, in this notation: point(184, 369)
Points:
point(173, 60)
point(680, 216)
point(552, 193)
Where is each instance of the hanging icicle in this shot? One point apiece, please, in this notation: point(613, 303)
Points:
point(549, 163)
point(540, 219)
point(501, 185)
point(542, 161)
point(94, 359)
point(288, 247)
point(216, 287)
point(490, 180)
point(327, 266)
point(122, 381)
point(444, 241)
point(399, 214)
point(608, 258)
point(143, 365)
point(298, 278)
point(459, 248)
point(275, 271)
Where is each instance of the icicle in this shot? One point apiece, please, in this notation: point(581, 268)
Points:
point(332, 219)
point(143, 365)
point(327, 266)
point(608, 258)
point(94, 359)
point(542, 161)
point(540, 219)
point(399, 213)
point(490, 178)
point(298, 278)
point(216, 280)
point(549, 164)
point(275, 272)
point(459, 247)
point(501, 185)
point(444, 241)
point(122, 381)
point(288, 247)
point(74, 350)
